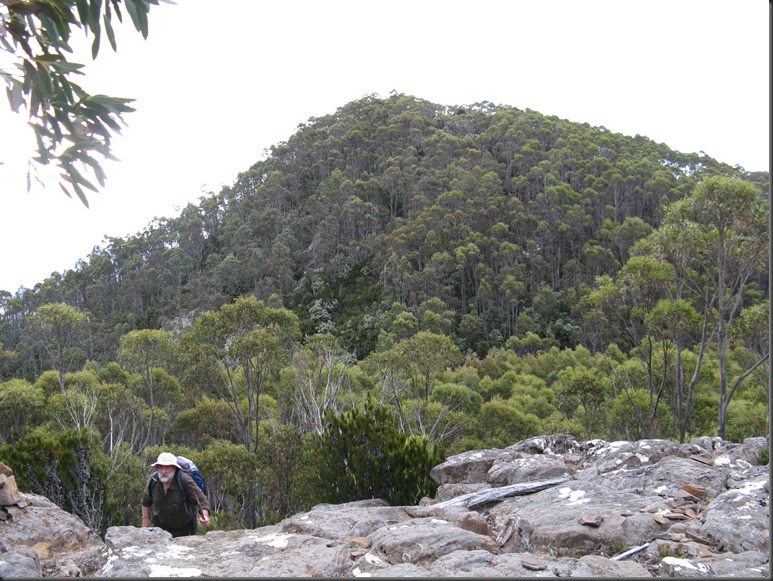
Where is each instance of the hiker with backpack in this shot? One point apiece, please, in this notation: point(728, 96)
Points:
point(174, 498)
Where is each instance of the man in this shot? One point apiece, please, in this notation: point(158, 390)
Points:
point(174, 501)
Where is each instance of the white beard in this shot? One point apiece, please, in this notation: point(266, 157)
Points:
point(165, 478)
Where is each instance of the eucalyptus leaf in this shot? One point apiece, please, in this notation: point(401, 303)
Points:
point(15, 96)
point(109, 30)
point(61, 112)
point(95, 44)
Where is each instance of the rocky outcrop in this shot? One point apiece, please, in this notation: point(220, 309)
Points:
point(38, 539)
point(544, 507)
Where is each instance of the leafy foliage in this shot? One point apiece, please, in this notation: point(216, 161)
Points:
point(70, 124)
point(362, 455)
point(68, 468)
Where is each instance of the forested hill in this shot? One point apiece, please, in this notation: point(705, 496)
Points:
point(480, 222)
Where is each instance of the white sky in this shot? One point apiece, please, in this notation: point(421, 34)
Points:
point(219, 82)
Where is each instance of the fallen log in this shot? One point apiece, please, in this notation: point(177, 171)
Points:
point(473, 499)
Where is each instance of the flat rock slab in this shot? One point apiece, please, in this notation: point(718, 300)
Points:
point(556, 518)
point(354, 519)
point(425, 539)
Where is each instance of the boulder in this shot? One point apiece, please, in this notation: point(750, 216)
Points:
point(466, 468)
point(423, 540)
point(738, 519)
point(559, 445)
point(602, 457)
point(665, 477)
point(351, 519)
point(454, 490)
point(557, 518)
point(9, 493)
point(19, 563)
point(60, 541)
point(506, 471)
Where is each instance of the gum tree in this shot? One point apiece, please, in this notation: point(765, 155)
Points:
point(235, 351)
point(717, 239)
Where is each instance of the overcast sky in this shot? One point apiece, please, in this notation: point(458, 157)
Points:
point(218, 82)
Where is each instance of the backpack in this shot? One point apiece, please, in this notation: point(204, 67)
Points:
point(191, 468)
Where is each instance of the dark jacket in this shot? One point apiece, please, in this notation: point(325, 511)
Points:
point(168, 509)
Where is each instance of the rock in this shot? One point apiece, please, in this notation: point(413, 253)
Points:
point(621, 509)
point(475, 499)
point(559, 445)
point(401, 570)
point(665, 477)
point(515, 536)
point(454, 490)
point(425, 539)
point(466, 468)
point(591, 520)
point(475, 563)
point(680, 567)
point(506, 471)
point(606, 457)
point(738, 519)
point(597, 566)
point(748, 564)
point(339, 521)
point(60, 540)
point(9, 494)
point(533, 564)
point(529, 565)
point(19, 563)
point(461, 516)
point(555, 515)
point(750, 450)
point(696, 490)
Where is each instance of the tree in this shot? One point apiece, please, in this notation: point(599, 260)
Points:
point(422, 357)
point(581, 387)
point(675, 322)
point(61, 332)
point(21, 408)
point(236, 350)
point(143, 351)
point(503, 424)
point(643, 282)
point(717, 240)
point(70, 124)
point(319, 371)
point(6, 358)
point(409, 371)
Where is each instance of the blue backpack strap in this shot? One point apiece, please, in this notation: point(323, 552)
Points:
point(183, 492)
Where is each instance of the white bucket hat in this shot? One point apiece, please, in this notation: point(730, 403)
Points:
point(166, 459)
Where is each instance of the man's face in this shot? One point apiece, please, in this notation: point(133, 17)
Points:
point(165, 473)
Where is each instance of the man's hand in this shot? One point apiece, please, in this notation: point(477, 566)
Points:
point(204, 519)
point(146, 522)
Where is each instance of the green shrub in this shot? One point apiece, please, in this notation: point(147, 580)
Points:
point(746, 419)
point(66, 467)
point(363, 455)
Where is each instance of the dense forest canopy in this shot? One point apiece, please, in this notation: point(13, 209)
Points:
point(484, 273)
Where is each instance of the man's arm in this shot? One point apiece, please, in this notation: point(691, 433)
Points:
point(146, 516)
point(197, 497)
point(147, 504)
